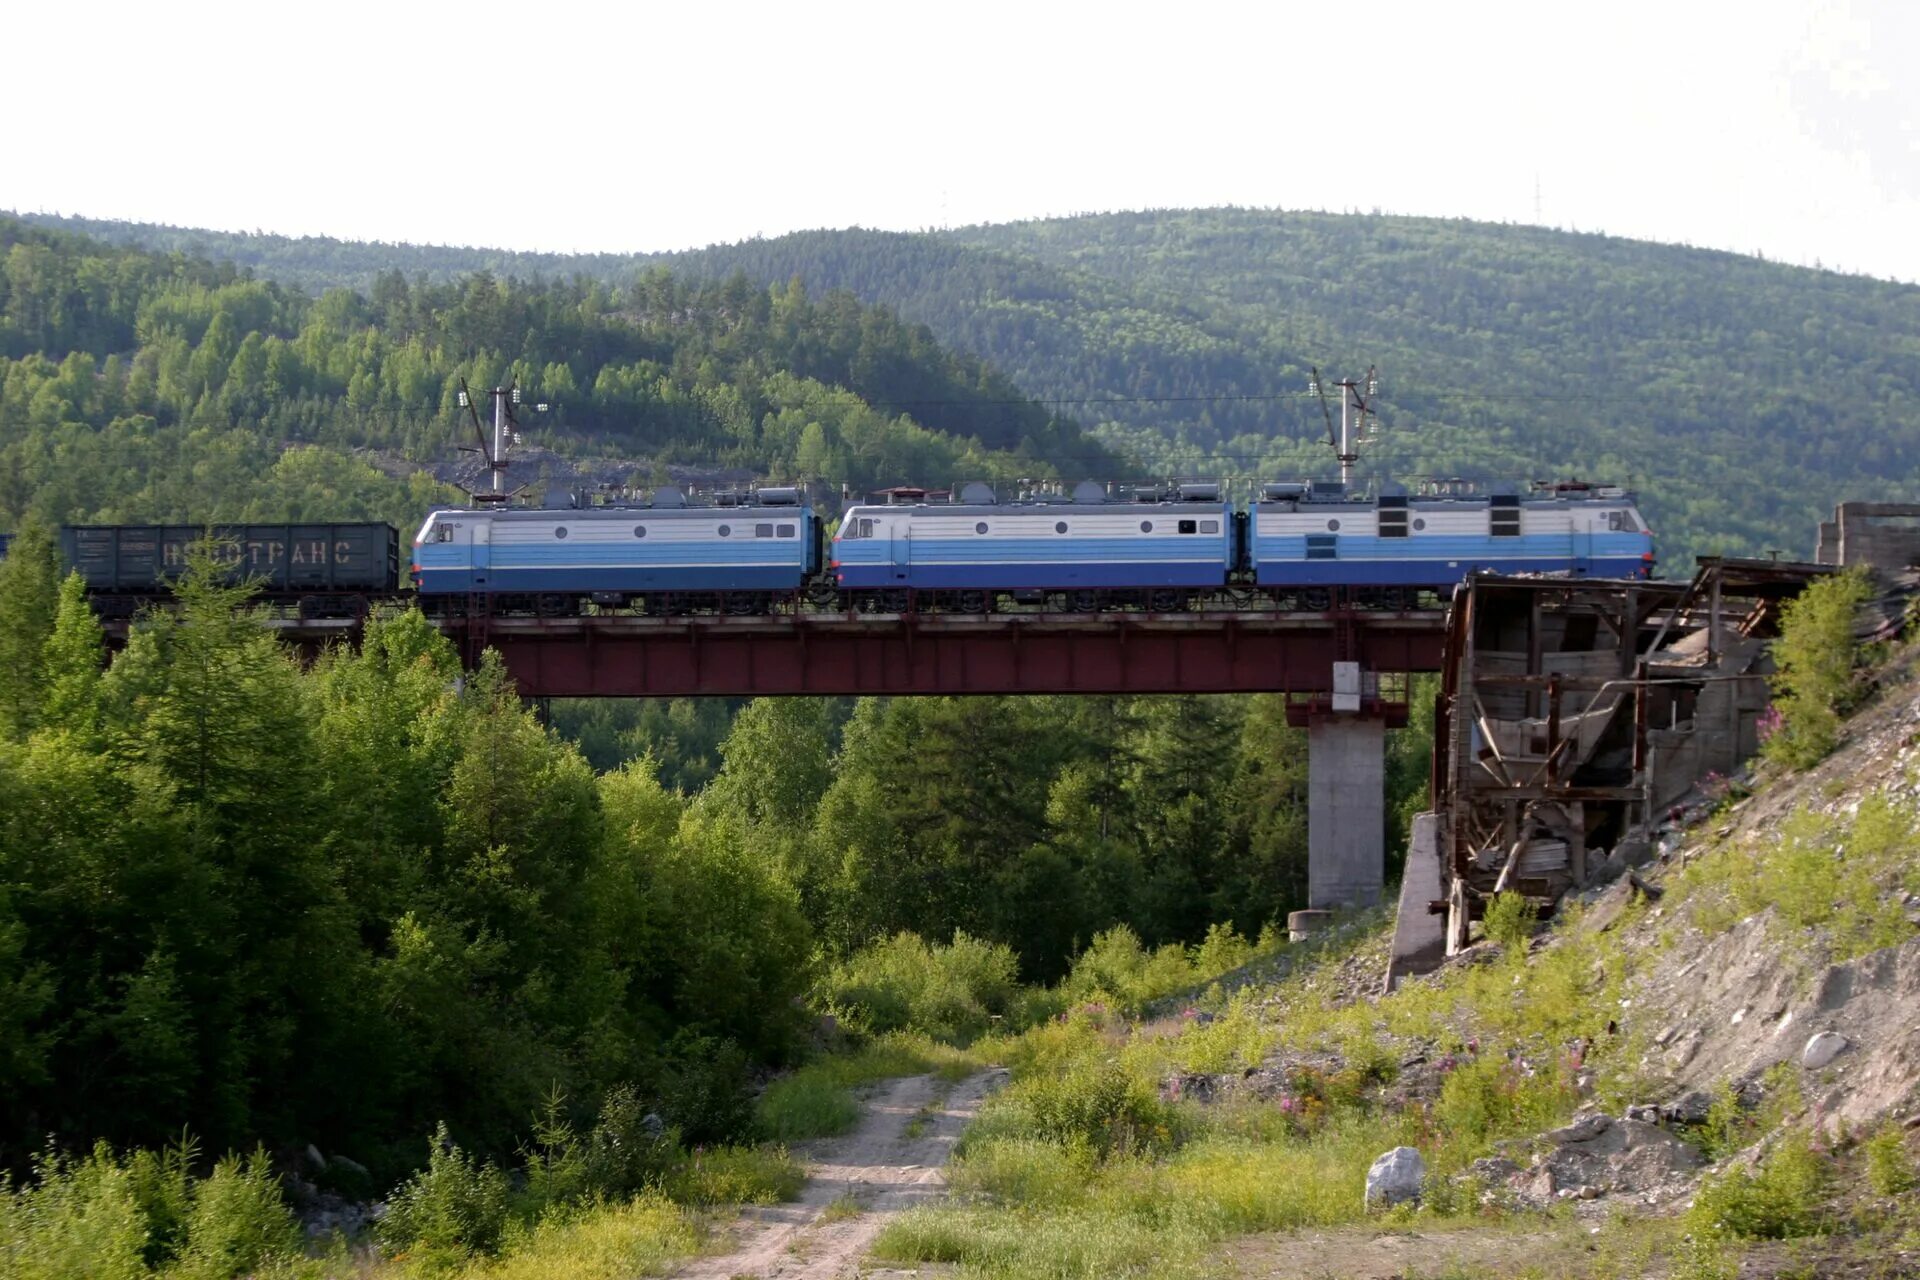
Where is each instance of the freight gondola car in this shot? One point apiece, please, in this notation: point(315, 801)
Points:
point(327, 569)
point(668, 557)
point(1084, 550)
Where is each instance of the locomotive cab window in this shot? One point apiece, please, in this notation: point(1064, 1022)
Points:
point(865, 530)
point(443, 533)
point(1189, 526)
point(763, 531)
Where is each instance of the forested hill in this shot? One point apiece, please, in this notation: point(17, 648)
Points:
point(1742, 397)
point(139, 385)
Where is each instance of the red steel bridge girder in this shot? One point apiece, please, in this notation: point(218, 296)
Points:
point(616, 656)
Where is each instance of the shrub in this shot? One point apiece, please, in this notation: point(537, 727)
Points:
point(455, 1207)
point(1509, 921)
point(1814, 660)
point(736, 1175)
point(74, 1221)
point(950, 993)
point(238, 1222)
point(1781, 1200)
point(807, 1104)
point(1095, 1103)
point(707, 1091)
point(621, 1154)
point(643, 1237)
point(108, 1217)
point(1492, 1097)
point(1890, 1170)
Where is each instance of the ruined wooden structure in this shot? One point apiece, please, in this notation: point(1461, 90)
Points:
point(1572, 714)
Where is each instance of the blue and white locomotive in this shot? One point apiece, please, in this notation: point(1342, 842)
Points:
point(1161, 550)
point(1316, 536)
point(1081, 549)
point(668, 557)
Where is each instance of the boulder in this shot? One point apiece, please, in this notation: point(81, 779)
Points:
point(1396, 1178)
point(1822, 1049)
point(1690, 1108)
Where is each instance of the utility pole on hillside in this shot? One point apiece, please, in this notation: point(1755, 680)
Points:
point(1358, 425)
point(506, 432)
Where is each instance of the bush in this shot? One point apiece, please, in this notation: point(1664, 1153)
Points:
point(643, 1237)
point(1092, 1103)
point(615, 1159)
point(1781, 1200)
point(950, 993)
point(736, 1175)
point(807, 1104)
point(1890, 1169)
point(74, 1221)
point(1491, 1097)
point(1814, 659)
point(708, 1091)
point(455, 1207)
point(238, 1222)
point(1509, 921)
point(108, 1217)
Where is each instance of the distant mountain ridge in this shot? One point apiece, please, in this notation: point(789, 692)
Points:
point(1742, 397)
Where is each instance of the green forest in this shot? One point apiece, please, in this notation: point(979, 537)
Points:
point(138, 386)
point(1743, 398)
point(344, 904)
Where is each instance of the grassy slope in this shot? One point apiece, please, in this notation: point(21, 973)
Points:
point(1091, 1165)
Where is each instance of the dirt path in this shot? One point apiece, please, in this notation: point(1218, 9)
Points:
point(892, 1161)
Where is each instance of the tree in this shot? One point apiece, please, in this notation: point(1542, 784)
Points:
point(71, 663)
point(29, 600)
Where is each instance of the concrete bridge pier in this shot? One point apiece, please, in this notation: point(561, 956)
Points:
point(1346, 810)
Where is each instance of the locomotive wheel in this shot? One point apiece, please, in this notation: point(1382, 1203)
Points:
point(1316, 600)
point(973, 602)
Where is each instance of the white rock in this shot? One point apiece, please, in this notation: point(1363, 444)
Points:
point(1822, 1049)
point(1395, 1178)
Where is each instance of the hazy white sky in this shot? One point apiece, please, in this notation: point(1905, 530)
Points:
point(1788, 127)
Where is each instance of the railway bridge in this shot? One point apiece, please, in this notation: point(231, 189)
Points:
point(1344, 670)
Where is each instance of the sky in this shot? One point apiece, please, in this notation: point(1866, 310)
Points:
point(1765, 126)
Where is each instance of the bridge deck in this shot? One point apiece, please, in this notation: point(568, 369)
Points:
point(1217, 651)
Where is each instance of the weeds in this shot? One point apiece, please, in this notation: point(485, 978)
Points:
point(817, 1100)
point(1510, 920)
point(1890, 1170)
point(1782, 1199)
point(125, 1218)
point(1815, 656)
point(950, 993)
